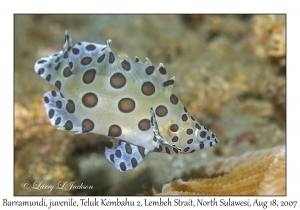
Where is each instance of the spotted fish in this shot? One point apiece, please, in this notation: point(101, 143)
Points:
point(130, 101)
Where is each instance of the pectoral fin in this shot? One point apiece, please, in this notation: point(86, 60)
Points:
point(161, 144)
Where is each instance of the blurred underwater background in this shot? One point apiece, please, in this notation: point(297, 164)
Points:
point(230, 74)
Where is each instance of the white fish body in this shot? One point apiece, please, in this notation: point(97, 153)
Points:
point(127, 100)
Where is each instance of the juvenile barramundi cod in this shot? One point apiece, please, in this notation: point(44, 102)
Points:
point(128, 100)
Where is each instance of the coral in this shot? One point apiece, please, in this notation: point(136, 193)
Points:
point(270, 37)
point(47, 161)
point(277, 45)
point(276, 94)
point(29, 120)
point(256, 173)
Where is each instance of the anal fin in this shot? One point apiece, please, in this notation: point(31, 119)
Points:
point(124, 155)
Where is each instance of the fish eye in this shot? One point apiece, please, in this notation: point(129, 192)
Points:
point(197, 134)
point(201, 134)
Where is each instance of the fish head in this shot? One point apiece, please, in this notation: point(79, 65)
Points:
point(182, 133)
point(191, 135)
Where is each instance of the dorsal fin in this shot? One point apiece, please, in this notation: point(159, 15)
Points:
point(55, 68)
point(67, 42)
point(144, 72)
point(71, 60)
